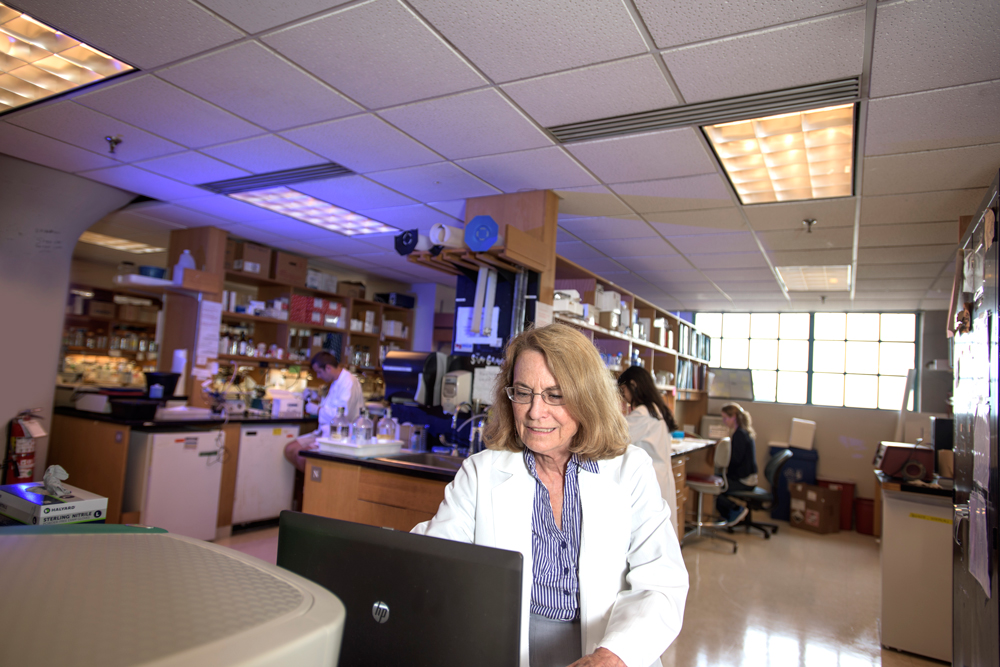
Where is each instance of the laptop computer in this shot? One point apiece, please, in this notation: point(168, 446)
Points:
point(410, 599)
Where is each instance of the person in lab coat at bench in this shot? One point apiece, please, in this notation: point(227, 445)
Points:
point(650, 424)
point(604, 583)
point(345, 392)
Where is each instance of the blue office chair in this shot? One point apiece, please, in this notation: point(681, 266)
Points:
point(759, 499)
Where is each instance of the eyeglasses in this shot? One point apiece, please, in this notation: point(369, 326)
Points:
point(522, 395)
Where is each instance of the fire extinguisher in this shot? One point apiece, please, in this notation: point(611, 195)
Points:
point(19, 465)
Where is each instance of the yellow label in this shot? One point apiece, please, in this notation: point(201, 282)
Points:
point(914, 515)
point(276, 431)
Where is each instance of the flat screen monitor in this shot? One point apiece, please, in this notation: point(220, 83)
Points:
point(410, 599)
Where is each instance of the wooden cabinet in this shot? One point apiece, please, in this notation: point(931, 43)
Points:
point(364, 495)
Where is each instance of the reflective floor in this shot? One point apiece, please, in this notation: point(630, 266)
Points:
point(796, 600)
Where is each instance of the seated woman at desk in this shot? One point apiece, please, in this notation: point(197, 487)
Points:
point(742, 470)
point(650, 424)
point(604, 582)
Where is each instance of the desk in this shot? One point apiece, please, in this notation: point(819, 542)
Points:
point(916, 569)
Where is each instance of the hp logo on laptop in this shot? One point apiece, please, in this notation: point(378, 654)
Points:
point(380, 611)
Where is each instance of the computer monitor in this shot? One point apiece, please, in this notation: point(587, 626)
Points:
point(410, 599)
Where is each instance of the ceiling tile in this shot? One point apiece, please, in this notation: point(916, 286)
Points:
point(674, 23)
point(333, 245)
point(538, 169)
point(680, 222)
point(537, 37)
point(177, 215)
point(252, 82)
point(145, 34)
point(362, 143)
point(619, 248)
point(811, 257)
point(818, 239)
point(757, 288)
point(676, 194)
point(920, 207)
point(254, 234)
point(575, 251)
point(434, 182)
point(257, 16)
point(759, 274)
point(363, 261)
point(264, 154)
point(142, 182)
point(949, 169)
point(590, 200)
point(602, 266)
point(949, 118)
point(676, 277)
point(669, 262)
point(789, 215)
point(86, 129)
point(732, 260)
point(468, 125)
point(416, 216)
point(592, 229)
point(163, 109)
point(562, 236)
point(455, 208)
point(193, 168)
point(378, 53)
point(289, 228)
point(640, 157)
point(383, 242)
point(611, 89)
point(897, 285)
point(34, 147)
point(703, 243)
point(929, 270)
point(930, 233)
point(929, 253)
point(923, 45)
point(353, 192)
point(809, 52)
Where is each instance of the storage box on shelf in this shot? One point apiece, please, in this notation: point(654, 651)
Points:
point(624, 326)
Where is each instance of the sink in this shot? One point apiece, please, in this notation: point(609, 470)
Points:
point(426, 460)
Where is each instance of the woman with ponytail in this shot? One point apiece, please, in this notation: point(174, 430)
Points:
point(742, 470)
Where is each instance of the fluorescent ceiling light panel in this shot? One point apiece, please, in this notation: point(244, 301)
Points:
point(37, 61)
point(317, 212)
point(119, 244)
point(816, 278)
point(789, 157)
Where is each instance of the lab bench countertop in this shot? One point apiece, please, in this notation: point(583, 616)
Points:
point(385, 465)
point(179, 424)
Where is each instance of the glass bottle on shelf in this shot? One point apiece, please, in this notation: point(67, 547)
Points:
point(241, 348)
point(387, 426)
point(361, 431)
point(340, 427)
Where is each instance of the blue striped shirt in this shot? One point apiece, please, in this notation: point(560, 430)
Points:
point(555, 553)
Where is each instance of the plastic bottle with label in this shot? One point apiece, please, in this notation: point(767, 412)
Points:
point(387, 427)
point(361, 431)
point(186, 261)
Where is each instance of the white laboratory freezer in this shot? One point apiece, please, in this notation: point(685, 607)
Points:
point(265, 480)
point(173, 480)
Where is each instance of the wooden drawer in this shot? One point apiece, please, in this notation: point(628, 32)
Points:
point(412, 493)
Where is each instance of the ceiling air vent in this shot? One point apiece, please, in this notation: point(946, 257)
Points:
point(776, 102)
point(271, 179)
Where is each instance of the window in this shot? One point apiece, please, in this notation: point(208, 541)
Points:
point(855, 360)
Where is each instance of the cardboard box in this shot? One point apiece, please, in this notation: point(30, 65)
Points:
point(29, 503)
point(250, 258)
point(814, 508)
point(101, 309)
point(351, 289)
point(609, 319)
point(128, 313)
point(289, 269)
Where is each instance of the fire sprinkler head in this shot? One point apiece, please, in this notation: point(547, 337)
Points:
point(809, 225)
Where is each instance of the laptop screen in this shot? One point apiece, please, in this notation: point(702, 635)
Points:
point(410, 599)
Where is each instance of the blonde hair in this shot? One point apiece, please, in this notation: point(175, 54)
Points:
point(742, 417)
point(589, 388)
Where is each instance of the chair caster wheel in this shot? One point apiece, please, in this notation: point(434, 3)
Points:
point(734, 548)
point(775, 529)
point(767, 535)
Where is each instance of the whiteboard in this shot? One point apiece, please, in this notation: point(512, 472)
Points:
point(736, 383)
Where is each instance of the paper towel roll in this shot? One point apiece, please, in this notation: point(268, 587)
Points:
point(449, 237)
point(179, 365)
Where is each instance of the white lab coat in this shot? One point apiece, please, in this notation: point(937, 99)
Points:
point(653, 436)
point(345, 392)
point(633, 583)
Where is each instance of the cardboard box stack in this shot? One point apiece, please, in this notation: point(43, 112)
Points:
point(814, 508)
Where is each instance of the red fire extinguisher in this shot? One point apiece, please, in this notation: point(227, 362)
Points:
point(20, 460)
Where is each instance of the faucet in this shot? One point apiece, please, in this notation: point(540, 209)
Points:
point(458, 410)
point(476, 433)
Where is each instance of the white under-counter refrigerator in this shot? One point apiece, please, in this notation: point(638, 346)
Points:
point(265, 480)
point(173, 480)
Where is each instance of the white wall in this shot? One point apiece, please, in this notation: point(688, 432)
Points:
point(846, 438)
point(42, 214)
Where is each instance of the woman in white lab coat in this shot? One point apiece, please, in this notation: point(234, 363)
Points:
point(650, 424)
point(604, 583)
